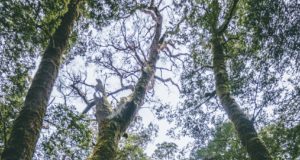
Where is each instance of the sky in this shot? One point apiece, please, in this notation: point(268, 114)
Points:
point(167, 94)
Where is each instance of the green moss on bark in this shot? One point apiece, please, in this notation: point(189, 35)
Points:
point(245, 128)
point(27, 126)
point(111, 129)
point(107, 142)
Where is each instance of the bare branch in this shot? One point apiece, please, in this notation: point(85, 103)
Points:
point(121, 89)
point(89, 85)
point(79, 92)
point(176, 29)
point(165, 69)
point(51, 101)
point(159, 3)
point(88, 107)
point(151, 13)
point(152, 3)
point(168, 80)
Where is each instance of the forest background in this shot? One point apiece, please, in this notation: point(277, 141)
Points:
point(212, 79)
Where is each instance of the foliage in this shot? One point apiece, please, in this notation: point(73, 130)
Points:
point(66, 134)
point(283, 143)
point(131, 149)
point(11, 99)
point(24, 31)
point(224, 145)
point(133, 144)
point(257, 71)
point(112, 39)
point(165, 150)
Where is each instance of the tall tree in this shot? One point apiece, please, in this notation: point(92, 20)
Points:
point(215, 20)
point(113, 124)
point(20, 42)
point(138, 42)
point(27, 126)
point(243, 125)
point(137, 46)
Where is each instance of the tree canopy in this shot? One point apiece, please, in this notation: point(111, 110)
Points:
point(132, 80)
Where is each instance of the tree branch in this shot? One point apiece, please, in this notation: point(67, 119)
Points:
point(228, 17)
point(168, 80)
point(80, 93)
point(88, 107)
point(121, 89)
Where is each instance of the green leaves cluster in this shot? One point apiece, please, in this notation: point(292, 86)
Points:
point(66, 134)
point(283, 143)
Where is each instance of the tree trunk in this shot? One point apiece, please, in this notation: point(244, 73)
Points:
point(27, 126)
point(244, 127)
point(114, 125)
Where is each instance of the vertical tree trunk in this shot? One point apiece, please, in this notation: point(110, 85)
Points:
point(27, 126)
point(113, 127)
point(244, 127)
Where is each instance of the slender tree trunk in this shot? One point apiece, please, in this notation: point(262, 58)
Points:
point(114, 125)
point(244, 127)
point(27, 126)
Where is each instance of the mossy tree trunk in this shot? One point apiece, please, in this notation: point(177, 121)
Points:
point(27, 126)
point(115, 124)
point(244, 127)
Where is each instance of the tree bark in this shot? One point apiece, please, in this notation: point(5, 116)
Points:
point(244, 127)
point(114, 125)
point(27, 126)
